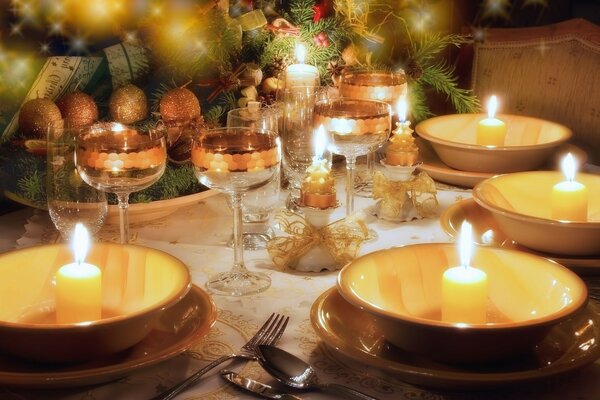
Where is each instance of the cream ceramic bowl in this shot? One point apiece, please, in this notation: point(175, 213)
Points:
point(520, 203)
point(529, 142)
point(401, 288)
point(138, 283)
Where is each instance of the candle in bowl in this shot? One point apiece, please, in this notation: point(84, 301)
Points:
point(301, 74)
point(569, 198)
point(491, 131)
point(464, 288)
point(402, 150)
point(78, 285)
point(318, 187)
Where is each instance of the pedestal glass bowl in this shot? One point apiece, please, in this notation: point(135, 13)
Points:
point(233, 161)
point(387, 86)
point(355, 128)
point(121, 160)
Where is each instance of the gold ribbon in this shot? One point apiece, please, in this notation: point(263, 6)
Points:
point(420, 190)
point(341, 238)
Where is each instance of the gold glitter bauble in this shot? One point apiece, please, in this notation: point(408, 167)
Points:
point(350, 55)
point(128, 104)
point(78, 109)
point(36, 115)
point(179, 104)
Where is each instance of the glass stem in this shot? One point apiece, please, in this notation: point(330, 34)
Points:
point(123, 218)
point(370, 166)
point(350, 164)
point(238, 233)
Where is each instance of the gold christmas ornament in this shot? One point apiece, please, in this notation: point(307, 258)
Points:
point(272, 84)
point(128, 104)
point(179, 104)
point(350, 55)
point(78, 109)
point(36, 115)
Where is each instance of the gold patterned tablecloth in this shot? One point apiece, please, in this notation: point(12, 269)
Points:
point(198, 236)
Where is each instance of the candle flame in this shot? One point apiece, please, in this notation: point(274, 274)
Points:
point(300, 53)
point(81, 242)
point(402, 109)
point(492, 106)
point(320, 142)
point(568, 167)
point(465, 244)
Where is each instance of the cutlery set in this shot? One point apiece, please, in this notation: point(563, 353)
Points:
point(285, 367)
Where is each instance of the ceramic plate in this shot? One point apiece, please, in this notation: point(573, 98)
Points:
point(487, 232)
point(138, 212)
point(144, 212)
point(181, 326)
point(443, 173)
point(354, 333)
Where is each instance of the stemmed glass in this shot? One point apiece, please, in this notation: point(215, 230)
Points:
point(257, 204)
point(234, 160)
point(119, 159)
point(355, 127)
point(379, 85)
point(69, 198)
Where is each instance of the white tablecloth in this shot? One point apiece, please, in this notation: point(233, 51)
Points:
point(197, 235)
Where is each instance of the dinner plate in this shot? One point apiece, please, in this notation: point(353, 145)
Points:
point(439, 171)
point(354, 333)
point(180, 326)
point(144, 212)
point(487, 232)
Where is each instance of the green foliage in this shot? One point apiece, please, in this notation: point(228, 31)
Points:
point(441, 77)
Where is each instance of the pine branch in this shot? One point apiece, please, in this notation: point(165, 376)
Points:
point(429, 46)
point(418, 102)
point(301, 11)
point(440, 77)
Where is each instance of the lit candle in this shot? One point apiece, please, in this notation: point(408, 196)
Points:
point(402, 149)
point(464, 288)
point(318, 188)
point(569, 198)
point(301, 74)
point(78, 285)
point(491, 131)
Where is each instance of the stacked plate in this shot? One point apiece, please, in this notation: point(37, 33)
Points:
point(514, 211)
point(385, 313)
point(150, 312)
point(450, 153)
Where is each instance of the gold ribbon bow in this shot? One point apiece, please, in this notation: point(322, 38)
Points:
point(420, 189)
point(341, 238)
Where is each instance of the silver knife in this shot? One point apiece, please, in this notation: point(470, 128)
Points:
point(256, 387)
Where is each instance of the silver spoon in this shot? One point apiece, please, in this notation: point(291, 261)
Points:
point(292, 371)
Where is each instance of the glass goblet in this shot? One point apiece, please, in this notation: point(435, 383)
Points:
point(233, 161)
point(297, 104)
point(355, 128)
point(70, 200)
point(119, 159)
point(257, 204)
point(380, 85)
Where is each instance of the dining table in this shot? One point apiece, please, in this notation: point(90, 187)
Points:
point(198, 235)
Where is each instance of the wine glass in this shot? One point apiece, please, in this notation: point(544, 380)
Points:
point(355, 127)
point(257, 204)
point(70, 200)
point(297, 104)
point(379, 85)
point(120, 159)
point(235, 160)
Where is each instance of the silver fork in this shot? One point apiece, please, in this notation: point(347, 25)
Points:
point(269, 333)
